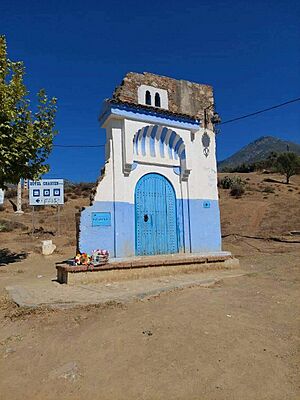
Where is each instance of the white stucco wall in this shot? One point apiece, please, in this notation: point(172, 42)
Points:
point(192, 174)
point(119, 181)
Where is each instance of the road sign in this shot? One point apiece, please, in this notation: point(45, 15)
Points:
point(1, 196)
point(46, 192)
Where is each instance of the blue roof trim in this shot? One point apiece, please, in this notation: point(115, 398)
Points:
point(150, 116)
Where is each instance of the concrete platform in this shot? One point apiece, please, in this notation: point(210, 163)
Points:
point(143, 267)
point(50, 294)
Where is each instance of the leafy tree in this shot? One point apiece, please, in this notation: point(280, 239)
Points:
point(26, 138)
point(287, 164)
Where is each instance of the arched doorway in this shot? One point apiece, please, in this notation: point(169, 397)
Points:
point(155, 216)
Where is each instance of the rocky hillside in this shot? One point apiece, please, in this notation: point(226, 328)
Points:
point(258, 150)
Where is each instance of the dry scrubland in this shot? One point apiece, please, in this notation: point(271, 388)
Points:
point(237, 340)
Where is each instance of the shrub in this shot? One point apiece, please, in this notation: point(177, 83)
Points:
point(244, 168)
point(9, 226)
point(2, 208)
point(227, 182)
point(237, 189)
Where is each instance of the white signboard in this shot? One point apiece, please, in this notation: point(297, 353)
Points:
point(1, 196)
point(46, 192)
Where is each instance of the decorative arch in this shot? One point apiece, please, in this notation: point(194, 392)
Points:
point(162, 143)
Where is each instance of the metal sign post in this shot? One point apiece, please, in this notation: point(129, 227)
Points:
point(46, 192)
point(58, 220)
point(32, 233)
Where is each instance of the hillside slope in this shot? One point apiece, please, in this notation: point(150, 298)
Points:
point(258, 150)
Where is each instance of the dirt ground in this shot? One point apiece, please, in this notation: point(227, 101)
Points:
point(239, 339)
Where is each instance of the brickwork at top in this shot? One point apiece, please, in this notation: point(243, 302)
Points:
point(184, 97)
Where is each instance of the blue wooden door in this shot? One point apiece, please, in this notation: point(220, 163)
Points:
point(155, 216)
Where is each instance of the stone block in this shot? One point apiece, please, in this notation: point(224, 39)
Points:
point(48, 247)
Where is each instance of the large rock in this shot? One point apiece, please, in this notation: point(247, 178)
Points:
point(47, 247)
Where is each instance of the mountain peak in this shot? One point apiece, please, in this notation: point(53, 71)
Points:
point(259, 150)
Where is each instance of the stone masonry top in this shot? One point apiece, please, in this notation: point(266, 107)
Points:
point(184, 97)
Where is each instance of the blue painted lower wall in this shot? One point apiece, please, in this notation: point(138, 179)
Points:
point(198, 228)
point(204, 226)
point(118, 238)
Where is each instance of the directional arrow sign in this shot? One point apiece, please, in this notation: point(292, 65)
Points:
point(46, 192)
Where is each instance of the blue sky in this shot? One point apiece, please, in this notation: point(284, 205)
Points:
point(80, 50)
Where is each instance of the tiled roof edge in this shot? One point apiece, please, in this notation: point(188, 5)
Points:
point(152, 109)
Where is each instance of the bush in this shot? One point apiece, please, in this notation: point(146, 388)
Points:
point(237, 189)
point(244, 168)
point(227, 182)
point(2, 208)
point(9, 226)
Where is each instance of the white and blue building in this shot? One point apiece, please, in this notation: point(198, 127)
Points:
point(158, 192)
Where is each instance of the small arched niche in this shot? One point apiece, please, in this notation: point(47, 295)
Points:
point(157, 100)
point(148, 98)
point(153, 96)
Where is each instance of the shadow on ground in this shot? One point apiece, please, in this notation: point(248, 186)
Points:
point(9, 257)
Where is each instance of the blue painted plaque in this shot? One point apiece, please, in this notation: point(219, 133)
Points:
point(101, 219)
point(206, 204)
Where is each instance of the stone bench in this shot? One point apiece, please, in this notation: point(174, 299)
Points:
point(147, 266)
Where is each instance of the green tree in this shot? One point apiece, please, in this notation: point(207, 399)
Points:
point(287, 164)
point(26, 138)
